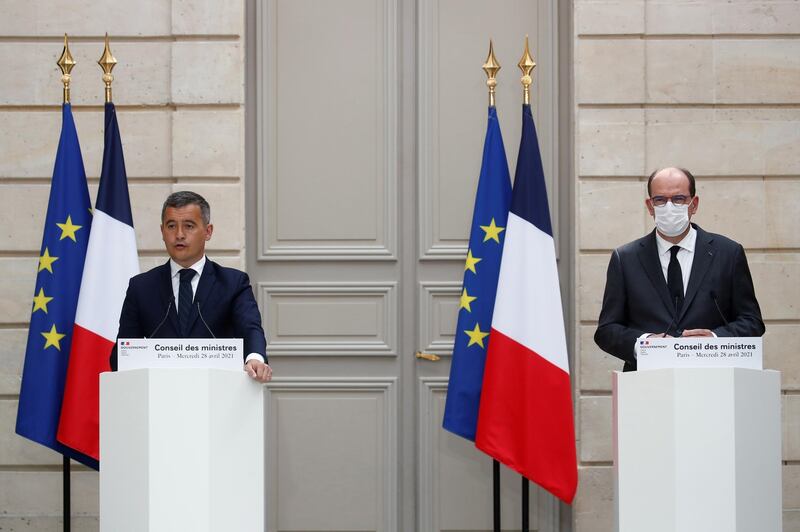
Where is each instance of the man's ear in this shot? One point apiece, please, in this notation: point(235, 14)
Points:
point(209, 231)
point(649, 204)
point(693, 205)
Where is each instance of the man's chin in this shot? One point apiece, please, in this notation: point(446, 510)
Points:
point(180, 257)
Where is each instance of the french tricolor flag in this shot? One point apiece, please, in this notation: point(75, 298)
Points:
point(525, 418)
point(111, 260)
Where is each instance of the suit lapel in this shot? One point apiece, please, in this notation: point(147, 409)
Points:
point(648, 256)
point(703, 257)
point(204, 287)
point(167, 296)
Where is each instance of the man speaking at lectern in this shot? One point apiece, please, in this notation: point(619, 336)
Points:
point(678, 280)
point(191, 296)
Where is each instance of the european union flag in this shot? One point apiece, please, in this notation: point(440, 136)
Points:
point(481, 272)
point(55, 297)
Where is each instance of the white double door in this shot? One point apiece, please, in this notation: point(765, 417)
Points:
point(366, 124)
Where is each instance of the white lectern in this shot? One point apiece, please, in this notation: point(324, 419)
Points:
point(697, 450)
point(181, 449)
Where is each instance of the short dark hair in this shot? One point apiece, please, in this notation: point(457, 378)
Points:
point(686, 172)
point(183, 198)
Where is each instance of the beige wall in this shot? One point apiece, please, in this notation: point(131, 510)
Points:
point(713, 86)
point(179, 89)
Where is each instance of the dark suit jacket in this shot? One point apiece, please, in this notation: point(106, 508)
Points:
point(223, 297)
point(637, 301)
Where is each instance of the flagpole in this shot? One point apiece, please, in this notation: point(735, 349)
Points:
point(525, 505)
point(492, 67)
point(66, 63)
point(496, 494)
point(107, 62)
point(526, 65)
point(65, 491)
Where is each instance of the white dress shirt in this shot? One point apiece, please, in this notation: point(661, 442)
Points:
point(685, 254)
point(175, 270)
point(198, 266)
point(685, 259)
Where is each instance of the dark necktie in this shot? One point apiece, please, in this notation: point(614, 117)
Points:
point(185, 299)
point(675, 279)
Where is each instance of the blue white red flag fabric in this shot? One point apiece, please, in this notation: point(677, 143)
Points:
point(111, 260)
point(61, 262)
point(525, 418)
point(480, 283)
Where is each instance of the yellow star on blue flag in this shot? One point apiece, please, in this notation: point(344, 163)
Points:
point(466, 300)
point(492, 232)
point(40, 301)
point(53, 338)
point(476, 336)
point(471, 262)
point(68, 229)
point(46, 261)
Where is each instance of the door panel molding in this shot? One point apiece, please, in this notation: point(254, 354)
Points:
point(383, 390)
point(431, 297)
point(436, 514)
point(330, 319)
point(321, 242)
point(436, 210)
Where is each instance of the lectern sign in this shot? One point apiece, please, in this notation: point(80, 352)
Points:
point(219, 353)
point(700, 352)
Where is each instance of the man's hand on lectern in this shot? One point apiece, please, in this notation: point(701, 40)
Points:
point(258, 370)
point(697, 332)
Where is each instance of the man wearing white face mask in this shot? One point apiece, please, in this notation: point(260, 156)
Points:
point(678, 280)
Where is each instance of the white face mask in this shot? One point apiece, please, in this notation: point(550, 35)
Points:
point(672, 220)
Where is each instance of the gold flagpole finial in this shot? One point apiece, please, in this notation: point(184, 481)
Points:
point(107, 63)
point(66, 63)
point(526, 64)
point(491, 67)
